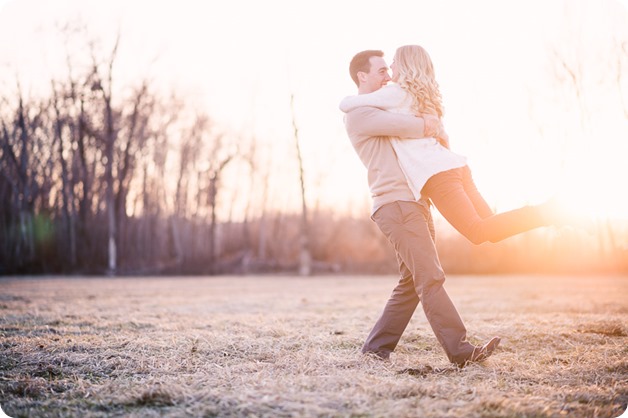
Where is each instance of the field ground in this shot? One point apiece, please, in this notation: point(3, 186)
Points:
point(287, 346)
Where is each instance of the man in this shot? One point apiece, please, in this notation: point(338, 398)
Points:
point(407, 223)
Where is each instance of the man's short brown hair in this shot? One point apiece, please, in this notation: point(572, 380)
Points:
point(361, 62)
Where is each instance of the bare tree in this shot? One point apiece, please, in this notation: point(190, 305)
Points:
point(217, 157)
point(67, 189)
point(256, 211)
point(305, 257)
point(104, 84)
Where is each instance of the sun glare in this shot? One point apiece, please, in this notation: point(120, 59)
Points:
point(591, 184)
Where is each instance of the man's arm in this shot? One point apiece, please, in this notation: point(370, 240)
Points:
point(386, 98)
point(370, 121)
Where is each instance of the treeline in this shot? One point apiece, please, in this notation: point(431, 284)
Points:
point(99, 177)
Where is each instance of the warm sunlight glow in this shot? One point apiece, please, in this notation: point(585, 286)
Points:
point(590, 184)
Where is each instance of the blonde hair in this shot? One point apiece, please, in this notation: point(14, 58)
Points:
point(416, 76)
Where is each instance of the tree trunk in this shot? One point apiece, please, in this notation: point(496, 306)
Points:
point(305, 257)
point(109, 196)
point(66, 189)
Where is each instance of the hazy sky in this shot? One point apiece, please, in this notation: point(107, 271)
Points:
point(506, 109)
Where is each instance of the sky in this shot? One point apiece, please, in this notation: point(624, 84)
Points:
point(526, 134)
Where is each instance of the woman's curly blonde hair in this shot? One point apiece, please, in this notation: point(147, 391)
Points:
point(416, 76)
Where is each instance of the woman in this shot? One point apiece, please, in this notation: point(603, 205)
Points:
point(431, 169)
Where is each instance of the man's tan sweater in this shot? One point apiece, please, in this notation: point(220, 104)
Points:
point(370, 130)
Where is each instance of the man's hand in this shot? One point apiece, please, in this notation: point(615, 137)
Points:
point(433, 125)
point(443, 138)
point(434, 129)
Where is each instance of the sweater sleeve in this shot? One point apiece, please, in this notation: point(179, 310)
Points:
point(386, 98)
point(370, 121)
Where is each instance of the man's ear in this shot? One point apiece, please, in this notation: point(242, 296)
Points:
point(362, 76)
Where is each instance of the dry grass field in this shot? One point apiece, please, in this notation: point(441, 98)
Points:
point(290, 347)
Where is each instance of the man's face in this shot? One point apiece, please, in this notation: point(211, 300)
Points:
point(376, 78)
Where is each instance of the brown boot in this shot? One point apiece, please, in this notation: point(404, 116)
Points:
point(480, 354)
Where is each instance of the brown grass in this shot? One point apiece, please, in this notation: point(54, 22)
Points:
point(288, 346)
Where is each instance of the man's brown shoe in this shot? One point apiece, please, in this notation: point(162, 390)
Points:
point(482, 353)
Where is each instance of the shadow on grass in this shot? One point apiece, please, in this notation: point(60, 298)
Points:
point(424, 371)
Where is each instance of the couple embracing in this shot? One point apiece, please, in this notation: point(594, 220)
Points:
point(397, 132)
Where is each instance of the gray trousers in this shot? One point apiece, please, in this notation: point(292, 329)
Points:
point(410, 229)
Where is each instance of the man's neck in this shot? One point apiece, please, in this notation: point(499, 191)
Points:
point(364, 90)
